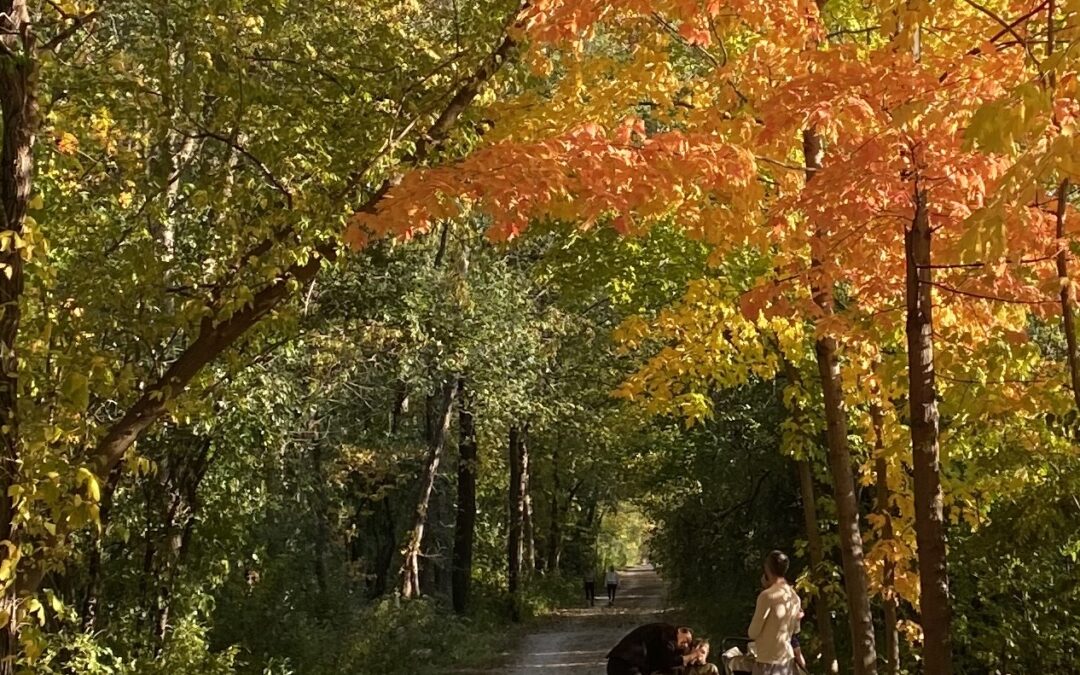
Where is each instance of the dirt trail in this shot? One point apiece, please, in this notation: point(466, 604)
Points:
point(577, 641)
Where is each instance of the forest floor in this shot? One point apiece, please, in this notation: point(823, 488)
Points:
point(575, 641)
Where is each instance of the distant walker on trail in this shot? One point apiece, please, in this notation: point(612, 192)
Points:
point(589, 580)
point(611, 580)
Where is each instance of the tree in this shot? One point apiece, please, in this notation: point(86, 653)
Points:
point(238, 221)
point(515, 540)
point(440, 409)
point(465, 522)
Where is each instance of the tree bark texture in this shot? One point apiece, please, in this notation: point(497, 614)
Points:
point(19, 110)
point(930, 535)
point(1068, 303)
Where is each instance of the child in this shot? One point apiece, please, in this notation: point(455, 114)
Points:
point(700, 665)
point(800, 660)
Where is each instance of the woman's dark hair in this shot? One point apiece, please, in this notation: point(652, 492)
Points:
point(777, 563)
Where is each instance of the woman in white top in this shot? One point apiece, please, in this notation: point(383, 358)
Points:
point(611, 580)
point(776, 620)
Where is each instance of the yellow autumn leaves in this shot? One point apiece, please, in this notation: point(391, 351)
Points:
point(707, 343)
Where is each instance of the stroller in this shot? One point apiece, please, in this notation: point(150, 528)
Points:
point(737, 656)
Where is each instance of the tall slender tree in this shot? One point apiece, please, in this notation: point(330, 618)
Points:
point(441, 411)
point(465, 523)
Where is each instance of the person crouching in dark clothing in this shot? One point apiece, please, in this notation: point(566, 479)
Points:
point(652, 647)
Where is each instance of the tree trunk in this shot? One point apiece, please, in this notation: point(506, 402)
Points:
point(465, 523)
point(929, 500)
point(432, 572)
point(554, 541)
point(851, 543)
point(527, 533)
point(319, 508)
point(864, 649)
point(385, 556)
point(182, 474)
point(1068, 302)
point(410, 565)
point(401, 407)
point(1068, 319)
point(884, 509)
point(18, 106)
point(817, 562)
point(516, 522)
point(529, 562)
point(815, 547)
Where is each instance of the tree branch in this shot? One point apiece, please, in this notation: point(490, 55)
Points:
point(216, 338)
point(75, 26)
point(666, 25)
point(259, 164)
point(988, 297)
point(1009, 261)
point(1007, 27)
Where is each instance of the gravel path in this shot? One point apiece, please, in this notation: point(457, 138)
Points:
point(577, 641)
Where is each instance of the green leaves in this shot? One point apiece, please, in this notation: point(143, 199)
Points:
point(76, 389)
point(1001, 125)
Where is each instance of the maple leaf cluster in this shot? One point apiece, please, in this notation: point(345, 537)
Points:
point(587, 175)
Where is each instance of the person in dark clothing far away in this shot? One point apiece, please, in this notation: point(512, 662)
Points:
point(652, 647)
point(589, 578)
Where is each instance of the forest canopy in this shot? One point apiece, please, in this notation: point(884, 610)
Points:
point(326, 323)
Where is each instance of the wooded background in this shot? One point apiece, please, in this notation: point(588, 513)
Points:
point(337, 335)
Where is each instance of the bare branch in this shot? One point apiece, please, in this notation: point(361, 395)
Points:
point(1007, 27)
point(785, 165)
point(666, 25)
point(851, 31)
point(986, 296)
point(975, 265)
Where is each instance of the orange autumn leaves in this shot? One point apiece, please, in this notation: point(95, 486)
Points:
point(587, 175)
point(885, 135)
point(559, 21)
point(968, 122)
point(890, 123)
